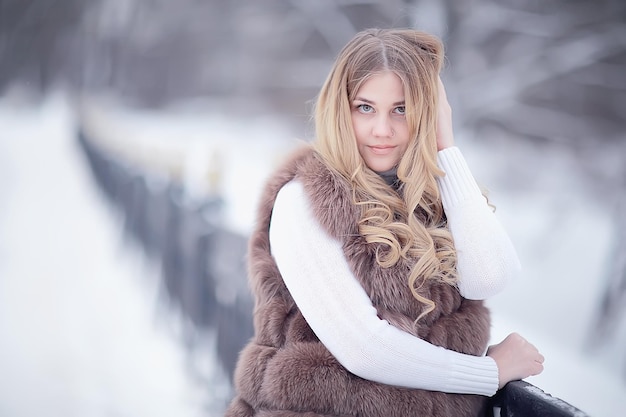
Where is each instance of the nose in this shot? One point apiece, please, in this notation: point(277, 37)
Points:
point(382, 126)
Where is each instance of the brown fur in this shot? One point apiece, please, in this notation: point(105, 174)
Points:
point(286, 371)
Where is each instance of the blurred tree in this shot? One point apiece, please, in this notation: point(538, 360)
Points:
point(32, 38)
point(154, 52)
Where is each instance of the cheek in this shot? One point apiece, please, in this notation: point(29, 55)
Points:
point(403, 132)
point(359, 131)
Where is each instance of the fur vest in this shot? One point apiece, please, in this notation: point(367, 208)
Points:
point(286, 371)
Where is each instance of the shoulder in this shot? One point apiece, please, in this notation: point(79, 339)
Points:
point(291, 197)
point(305, 186)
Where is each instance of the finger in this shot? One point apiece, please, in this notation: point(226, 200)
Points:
point(442, 88)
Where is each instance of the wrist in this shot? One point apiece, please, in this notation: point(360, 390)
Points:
point(445, 143)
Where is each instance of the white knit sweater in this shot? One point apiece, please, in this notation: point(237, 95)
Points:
point(341, 314)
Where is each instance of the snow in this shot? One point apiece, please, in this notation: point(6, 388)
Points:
point(82, 331)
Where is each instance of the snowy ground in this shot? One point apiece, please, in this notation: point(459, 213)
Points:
point(82, 332)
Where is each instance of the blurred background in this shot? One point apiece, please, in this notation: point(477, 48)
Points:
point(135, 136)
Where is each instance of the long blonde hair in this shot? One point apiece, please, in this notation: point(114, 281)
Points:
point(410, 223)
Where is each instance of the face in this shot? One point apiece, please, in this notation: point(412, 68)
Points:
point(379, 122)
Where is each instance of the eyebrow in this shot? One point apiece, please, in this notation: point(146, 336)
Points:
point(364, 100)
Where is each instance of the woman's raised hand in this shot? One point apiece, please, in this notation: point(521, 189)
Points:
point(516, 359)
point(445, 135)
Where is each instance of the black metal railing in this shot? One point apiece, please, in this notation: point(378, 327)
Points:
point(521, 399)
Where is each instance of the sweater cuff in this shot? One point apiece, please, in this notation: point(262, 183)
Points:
point(457, 185)
point(474, 374)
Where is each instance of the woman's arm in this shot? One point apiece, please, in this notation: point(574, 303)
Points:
point(486, 258)
point(342, 316)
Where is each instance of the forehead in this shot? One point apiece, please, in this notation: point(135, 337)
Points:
point(382, 87)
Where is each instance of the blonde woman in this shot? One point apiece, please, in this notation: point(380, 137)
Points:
point(373, 251)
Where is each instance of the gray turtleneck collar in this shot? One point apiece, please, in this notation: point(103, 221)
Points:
point(390, 177)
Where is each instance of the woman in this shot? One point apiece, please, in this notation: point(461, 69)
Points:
point(373, 251)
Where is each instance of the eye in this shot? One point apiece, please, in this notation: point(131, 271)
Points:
point(400, 110)
point(365, 108)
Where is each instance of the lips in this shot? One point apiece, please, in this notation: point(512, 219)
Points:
point(381, 150)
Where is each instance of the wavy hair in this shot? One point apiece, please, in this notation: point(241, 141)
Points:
point(408, 224)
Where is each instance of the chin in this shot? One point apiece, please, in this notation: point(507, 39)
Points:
point(381, 166)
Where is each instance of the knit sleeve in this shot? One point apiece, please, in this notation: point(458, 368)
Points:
point(342, 316)
point(486, 258)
